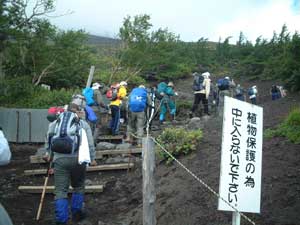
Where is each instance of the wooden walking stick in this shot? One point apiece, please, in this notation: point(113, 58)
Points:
point(43, 192)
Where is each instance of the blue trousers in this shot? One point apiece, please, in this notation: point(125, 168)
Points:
point(115, 119)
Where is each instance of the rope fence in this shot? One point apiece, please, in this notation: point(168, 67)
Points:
point(195, 176)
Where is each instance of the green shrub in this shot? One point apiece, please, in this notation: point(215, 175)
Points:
point(178, 141)
point(289, 128)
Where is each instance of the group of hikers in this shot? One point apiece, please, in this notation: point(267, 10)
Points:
point(73, 129)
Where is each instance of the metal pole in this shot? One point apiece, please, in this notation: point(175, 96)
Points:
point(149, 193)
point(90, 78)
point(236, 218)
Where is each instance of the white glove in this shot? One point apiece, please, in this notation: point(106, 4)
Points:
point(176, 94)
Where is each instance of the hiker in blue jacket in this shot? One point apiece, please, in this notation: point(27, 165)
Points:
point(168, 103)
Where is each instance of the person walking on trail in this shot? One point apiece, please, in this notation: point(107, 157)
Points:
point(124, 104)
point(252, 93)
point(225, 86)
point(137, 103)
point(201, 87)
point(115, 94)
point(275, 92)
point(168, 103)
point(239, 93)
point(98, 104)
point(69, 138)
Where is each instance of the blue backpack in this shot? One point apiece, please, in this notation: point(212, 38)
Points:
point(88, 93)
point(223, 84)
point(90, 114)
point(250, 91)
point(137, 100)
point(161, 88)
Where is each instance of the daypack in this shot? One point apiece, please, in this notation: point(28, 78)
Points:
point(250, 91)
point(239, 91)
point(223, 84)
point(88, 93)
point(66, 136)
point(112, 93)
point(198, 83)
point(137, 100)
point(79, 100)
point(90, 114)
point(53, 113)
point(161, 90)
point(275, 89)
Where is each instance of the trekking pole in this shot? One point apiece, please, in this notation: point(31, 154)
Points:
point(43, 192)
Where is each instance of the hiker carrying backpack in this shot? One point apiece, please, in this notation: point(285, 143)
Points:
point(137, 100)
point(161, 90)
point(66, 136)
point(223, 84)
point(198, 82)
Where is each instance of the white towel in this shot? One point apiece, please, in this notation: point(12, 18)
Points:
point(84, 152)
point(5, 153)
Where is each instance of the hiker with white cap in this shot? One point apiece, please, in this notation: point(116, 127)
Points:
point(201, 87)
point(252, 93)
point(98, 104)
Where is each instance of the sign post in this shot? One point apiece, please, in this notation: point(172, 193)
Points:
point(241, 158)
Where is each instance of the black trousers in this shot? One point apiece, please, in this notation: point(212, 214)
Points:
point(197, 99)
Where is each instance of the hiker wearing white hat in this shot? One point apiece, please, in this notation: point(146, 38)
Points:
point(201, 87)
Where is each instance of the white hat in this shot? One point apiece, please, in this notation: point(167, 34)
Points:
point(123, 83)
point(206, 74)
point(227, 78)
point(142, 86)
point(254, 86)
point(96, 86)
point(171, 84)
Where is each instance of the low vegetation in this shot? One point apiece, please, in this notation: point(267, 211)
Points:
point(178, 141)
point(289, 128)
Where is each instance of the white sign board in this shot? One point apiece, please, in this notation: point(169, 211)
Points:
point(241, 157)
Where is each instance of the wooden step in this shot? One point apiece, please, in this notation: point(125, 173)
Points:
point(99, 154)
point(110, 137)
point(50, 189)
point(119, 166)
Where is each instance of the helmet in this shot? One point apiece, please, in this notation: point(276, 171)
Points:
point(123, 83)
point(170, 84)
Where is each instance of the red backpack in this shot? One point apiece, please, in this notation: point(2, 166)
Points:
point(53, 113)
point(112, 93)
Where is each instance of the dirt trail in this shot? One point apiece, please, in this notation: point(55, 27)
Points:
point(181, 200)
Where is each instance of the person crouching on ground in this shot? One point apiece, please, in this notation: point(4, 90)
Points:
point(71, 127)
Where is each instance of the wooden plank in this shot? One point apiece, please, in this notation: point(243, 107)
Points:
point(99, 154)
point(50, 189)
point(119, 151)
point(119, 166)
point(110, 137)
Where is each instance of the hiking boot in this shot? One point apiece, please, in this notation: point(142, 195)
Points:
point(78, 216)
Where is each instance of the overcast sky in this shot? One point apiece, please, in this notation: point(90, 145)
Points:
point(190, 19)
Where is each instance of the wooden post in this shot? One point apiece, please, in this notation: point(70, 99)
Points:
point(236, 218)
point(90, 78)
point(149, 193)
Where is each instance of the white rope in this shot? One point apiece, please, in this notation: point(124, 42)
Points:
point(202, 182)
point(197, 178)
